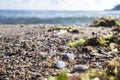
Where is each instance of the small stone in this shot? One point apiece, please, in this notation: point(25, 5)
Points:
point(9, 54)
point(87, 49)
point(17, 45)
point(79, 68)
point(95, 54)
point(115, 50)
point(54, 73)
point(68, 56)
point(96, 78)
point(65, 47)
point(112, 45)
point(48, 64)
point(60, 64)
point(94, 33)
point(61, 32)
point(21, 26)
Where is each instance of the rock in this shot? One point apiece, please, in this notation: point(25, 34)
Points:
point(17, 45)
point(87, 49)
point(80, 68)
point(117, 29)
point(21, 26)
point(48, 64)
point(65, 47)
point(115, 50)
point(60, 64)
point(94, 33)
point(9, 54)
point(112, 45)
point(96, 54)
point(73, 30)
point(68, 56)
point(92, 41)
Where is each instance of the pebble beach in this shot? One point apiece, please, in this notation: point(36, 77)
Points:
point(32, 52)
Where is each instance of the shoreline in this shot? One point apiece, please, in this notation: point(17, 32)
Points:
point(33, 51)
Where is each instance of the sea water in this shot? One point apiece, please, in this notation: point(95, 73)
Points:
point(52, 17)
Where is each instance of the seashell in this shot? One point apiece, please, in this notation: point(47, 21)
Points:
point(60, 64)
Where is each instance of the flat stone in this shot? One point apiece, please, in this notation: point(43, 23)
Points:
point(60, 64)
point(79, 68)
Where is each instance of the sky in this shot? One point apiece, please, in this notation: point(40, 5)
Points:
point(58, 4)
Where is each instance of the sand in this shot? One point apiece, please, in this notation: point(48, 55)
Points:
point(31, 51)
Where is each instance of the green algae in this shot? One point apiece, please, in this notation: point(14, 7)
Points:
point(77, 43)
point(69, 29)
point(106, 22)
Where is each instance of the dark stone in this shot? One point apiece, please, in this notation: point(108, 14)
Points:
point(80, 68)
point(9, 54)
point(93, 33)
point(93, 41)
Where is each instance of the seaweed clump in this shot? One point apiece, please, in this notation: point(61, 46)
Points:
point(96, 41)
point(106, 22)
point(68, 29)
point(77, 43)
point(109, 42)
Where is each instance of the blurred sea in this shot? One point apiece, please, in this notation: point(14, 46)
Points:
point(52, 17)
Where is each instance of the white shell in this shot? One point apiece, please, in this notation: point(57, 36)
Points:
point(60, 64)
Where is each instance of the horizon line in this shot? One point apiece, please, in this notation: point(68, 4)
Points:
point(48, 10)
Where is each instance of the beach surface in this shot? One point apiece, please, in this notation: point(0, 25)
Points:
point(33, 52)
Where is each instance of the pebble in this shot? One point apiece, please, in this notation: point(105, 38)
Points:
point(96, 78)
point(61, 32)
point(68, 56)
point(87, 49)
point(94, 33)
point(17, 45)
point(79, 68)
point(60, 64)
point(48, 64)
point(65, 47)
